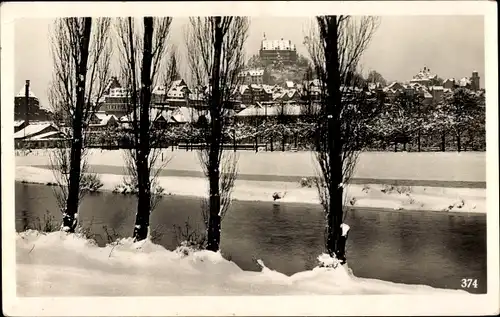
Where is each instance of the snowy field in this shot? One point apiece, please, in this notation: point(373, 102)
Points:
point(369, 195)
point(447, 166)
point(47, 262)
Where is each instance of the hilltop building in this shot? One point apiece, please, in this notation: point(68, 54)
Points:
point(272, 51)
point(424, 77)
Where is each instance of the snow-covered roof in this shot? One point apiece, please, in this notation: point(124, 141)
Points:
point(437, 88)
point(17, 123)
point(256, 87)
point(112, 80)
point(464, 81)
point(179, 82)
point(281, 45)
point(52, 135)
point(393, 85)
point(185, 115)
point(315, 82)
point(22, 93)
point(289, 84)
point(424, 75)
point(242, 88)
point(124, 118)
point(175, 90)
point(279, 94)
point(271, 110)
point(427, 95)
point(252, 110)
point(104, 118)
point(154, 114)
point(268, 89)
point(33, 129)
point(252, 72)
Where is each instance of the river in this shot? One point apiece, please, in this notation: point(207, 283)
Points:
point(432, 248)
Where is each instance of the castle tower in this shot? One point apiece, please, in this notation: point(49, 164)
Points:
point(475, 81)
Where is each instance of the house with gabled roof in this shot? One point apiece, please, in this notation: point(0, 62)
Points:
point(102, 121)
point(39, 135)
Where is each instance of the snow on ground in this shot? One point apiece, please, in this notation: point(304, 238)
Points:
point(443, 166)
point(370, 195)
point(46, 262)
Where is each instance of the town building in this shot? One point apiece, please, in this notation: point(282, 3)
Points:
point(250, 94)
point(39, 135)
point(470, 82)
point(101, 121)
point(251, 76)
point(30, 110)
point(424, 77)
point(116, 99)
point(449, 83)
point(273, 51)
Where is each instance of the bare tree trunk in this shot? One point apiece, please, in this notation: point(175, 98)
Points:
point(69, 219)
point(216, 53)
point(459, 142)
point(144, 189)
point(215, 143)
point(334, 147)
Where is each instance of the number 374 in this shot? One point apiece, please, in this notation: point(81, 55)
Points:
point(468, 283)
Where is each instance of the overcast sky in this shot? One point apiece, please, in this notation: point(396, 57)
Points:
point(451, 46)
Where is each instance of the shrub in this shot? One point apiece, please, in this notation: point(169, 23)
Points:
point(399, 189)
point(308, 181)
point(130, 187)
point(189, 239)
point(156, 234)
point(111, 235)
point(353, 201)
point(46, 224)
point(90, 183)
point(366, 189)
point(127, 187)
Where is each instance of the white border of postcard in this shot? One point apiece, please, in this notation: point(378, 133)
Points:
point(246, 305)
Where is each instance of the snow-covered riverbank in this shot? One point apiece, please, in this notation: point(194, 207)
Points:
point(437, 166)
point(369, 195)
point(47, 262)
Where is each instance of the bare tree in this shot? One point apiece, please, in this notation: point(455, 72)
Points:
point(144, 54)
point(216, 58)
point(81, 52)
point(335, 51)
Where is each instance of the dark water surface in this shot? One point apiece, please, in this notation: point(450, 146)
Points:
point(432, 248)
